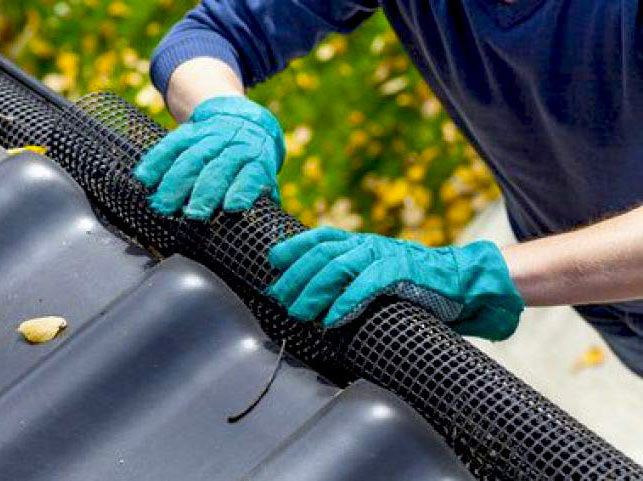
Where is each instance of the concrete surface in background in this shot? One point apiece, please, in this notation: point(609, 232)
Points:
point(608, 398)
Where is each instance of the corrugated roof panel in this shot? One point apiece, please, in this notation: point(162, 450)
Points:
point(154, 361)
point(55, 258)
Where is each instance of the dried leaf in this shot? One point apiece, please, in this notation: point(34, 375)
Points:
point(38, 149)
point(42, 329)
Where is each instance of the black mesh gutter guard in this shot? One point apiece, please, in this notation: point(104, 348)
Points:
point(500, 427)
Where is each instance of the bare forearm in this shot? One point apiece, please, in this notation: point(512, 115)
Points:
point(599, 263)
point(197, 80)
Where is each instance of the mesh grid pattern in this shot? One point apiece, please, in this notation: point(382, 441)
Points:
point(500, 428)
point(24, 118)
point(230, 244)
point(441, 307)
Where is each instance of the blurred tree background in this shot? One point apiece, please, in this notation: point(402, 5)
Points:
point(369, 146)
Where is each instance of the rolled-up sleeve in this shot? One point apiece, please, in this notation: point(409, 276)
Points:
point(256, 38)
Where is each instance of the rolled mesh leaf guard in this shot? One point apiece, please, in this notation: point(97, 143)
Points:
point(500, 427)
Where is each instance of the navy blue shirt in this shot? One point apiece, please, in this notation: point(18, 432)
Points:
point(550, 92)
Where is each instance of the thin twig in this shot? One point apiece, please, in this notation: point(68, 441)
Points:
point(242, 414)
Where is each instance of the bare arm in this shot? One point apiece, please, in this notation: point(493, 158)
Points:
point(197, 80)
point(205, 54)
point(599, 263)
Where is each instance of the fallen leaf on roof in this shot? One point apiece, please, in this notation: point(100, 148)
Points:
point(41, 329)
point(592, 357)
point(38, 149)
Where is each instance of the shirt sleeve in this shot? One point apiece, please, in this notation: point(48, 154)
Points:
point(256, 38)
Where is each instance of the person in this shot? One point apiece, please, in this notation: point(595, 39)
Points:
point(550, 93)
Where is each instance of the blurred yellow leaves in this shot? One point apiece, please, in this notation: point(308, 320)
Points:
point(148, 97)
point(449, 132)
point(406, 198)
point(394, 192)
point(87, 51)
point(311, 169)
point(369, 146)
point(394, 85)
point(118, 9)
point(297, 139)
point(416, 172)
point(306, 81)
point(153, 29)
point(41, 48)
point(467, 190)
point(431, 108)
point(67, 62)
point(340, 215)
point(329, 49)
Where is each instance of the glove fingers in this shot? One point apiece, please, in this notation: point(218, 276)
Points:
point(252, 181)
point(293, 281)
point(373, 279)
point(286, 252)
point(178, 182)
point(328, 283)
point(160, 158)
point(214, 180)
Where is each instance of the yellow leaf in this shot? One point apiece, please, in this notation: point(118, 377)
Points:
point(41, 329)
point(67, 62)
point(292, 205)
point(38, 149)
point(421, 196)
point(58, 82)
point(459, 212)
point(118, 9)
point(449, 131)
point(431, 108)
point(306, 81)
point(153, 29)
point(312, 169)
point(404, 100)
point(448, 192)
point(395, 193)
point(416, 172)
point(325, 52)
point(394, 85)
point(290, 189)
point(308, 218)
point(433, 237)
point(592, 357)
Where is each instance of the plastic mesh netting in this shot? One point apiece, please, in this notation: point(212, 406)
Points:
point(501, 428)
point(24, 118)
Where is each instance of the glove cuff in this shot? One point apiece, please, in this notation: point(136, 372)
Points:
point(485, 280)
point(244, 108)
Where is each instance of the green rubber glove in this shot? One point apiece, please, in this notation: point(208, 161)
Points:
point(227, 154)
point(330, 269)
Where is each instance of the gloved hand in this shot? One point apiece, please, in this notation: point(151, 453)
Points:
point(468, 287)
point(229, 152)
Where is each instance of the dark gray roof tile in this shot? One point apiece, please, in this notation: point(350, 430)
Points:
point(156, 357)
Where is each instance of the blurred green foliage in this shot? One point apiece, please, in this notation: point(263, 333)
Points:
point(370, 147)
